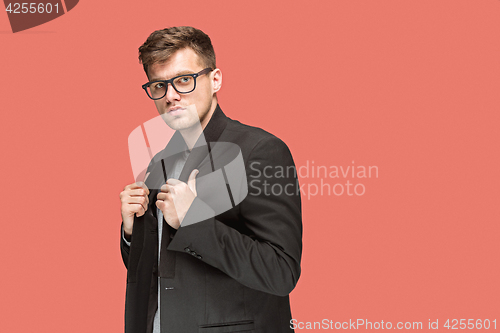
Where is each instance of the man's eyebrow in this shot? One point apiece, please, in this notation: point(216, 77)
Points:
point(176, 74)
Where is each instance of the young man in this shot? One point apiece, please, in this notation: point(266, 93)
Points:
point(202, 257)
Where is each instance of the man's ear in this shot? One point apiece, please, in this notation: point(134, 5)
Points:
point(216, 77)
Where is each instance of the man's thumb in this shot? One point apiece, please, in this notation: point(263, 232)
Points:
point(192, 181)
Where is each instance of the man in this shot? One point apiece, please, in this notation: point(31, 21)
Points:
point(194, 264)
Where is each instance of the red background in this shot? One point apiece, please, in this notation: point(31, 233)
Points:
point(409, 86)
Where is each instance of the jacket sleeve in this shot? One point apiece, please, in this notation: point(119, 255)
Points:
point(265, 257)
point(124, 247)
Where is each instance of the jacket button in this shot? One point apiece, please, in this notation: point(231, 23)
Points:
point(187, 249)
point(198, 256)
point(193, 253)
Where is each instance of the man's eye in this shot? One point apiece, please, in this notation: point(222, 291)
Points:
point(184, 79)
point(159, 85)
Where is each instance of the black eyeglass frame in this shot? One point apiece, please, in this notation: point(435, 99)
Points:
point(171, 81)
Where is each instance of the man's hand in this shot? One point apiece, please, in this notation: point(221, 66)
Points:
point(175, 199)
point(134, 198)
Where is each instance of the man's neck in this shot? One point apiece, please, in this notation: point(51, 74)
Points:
point(191, 134)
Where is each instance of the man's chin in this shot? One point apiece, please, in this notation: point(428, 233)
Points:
point(178, 124)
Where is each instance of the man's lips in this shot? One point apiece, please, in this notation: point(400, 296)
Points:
point(175, 110)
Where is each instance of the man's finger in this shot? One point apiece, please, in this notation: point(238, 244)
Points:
point(137, 185)
point(141, 185)
point(140, 200)
point(140, 212)
point(138, 192)
point(131, 186)
point(192, 180)
point(165, 188)
point(164, 196)
point(173, 181)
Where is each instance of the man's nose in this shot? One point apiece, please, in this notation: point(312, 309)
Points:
point(172, 94)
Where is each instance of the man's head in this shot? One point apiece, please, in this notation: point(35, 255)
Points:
point(176, 51)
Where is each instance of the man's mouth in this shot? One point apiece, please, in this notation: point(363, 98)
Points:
point(175, 110)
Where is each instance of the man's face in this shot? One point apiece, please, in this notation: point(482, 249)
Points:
point(182, 111)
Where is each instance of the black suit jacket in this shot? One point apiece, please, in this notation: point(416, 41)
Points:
point(227, 273)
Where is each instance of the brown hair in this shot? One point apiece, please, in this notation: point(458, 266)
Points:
point(161, 44)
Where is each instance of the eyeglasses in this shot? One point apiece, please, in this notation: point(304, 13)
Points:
point(183, 84)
